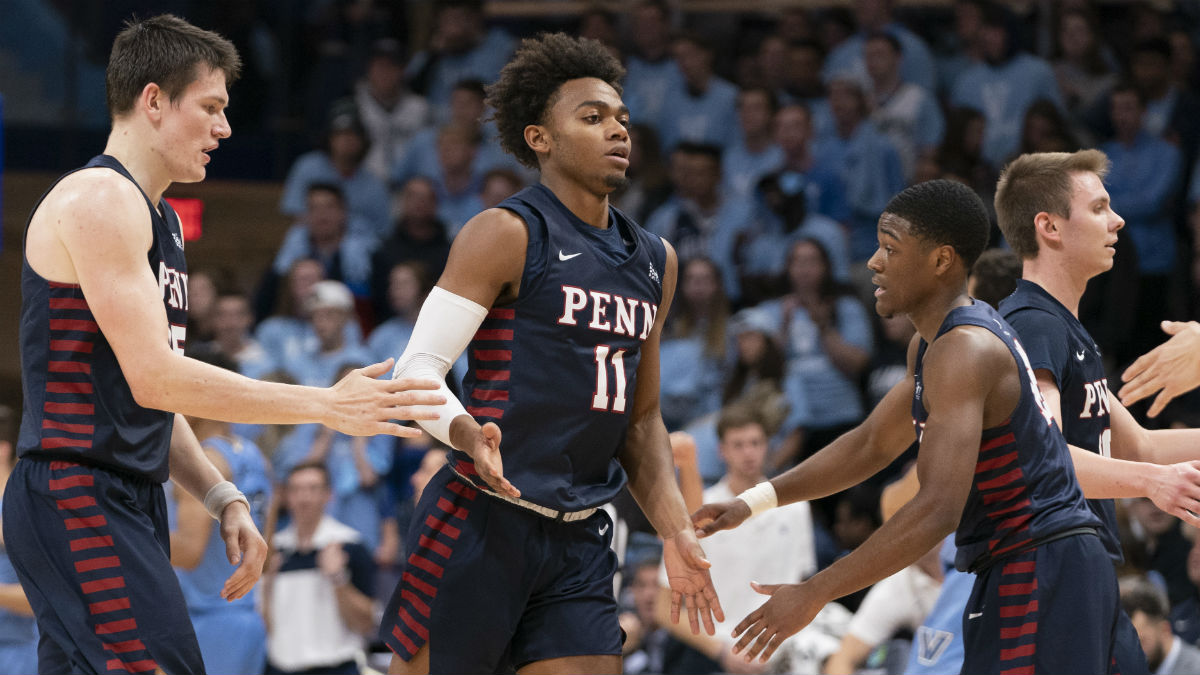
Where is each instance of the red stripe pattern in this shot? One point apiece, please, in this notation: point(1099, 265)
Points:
point(98, 568)
point(1018, 612)
point(409, 625)
point(68, 411)
point(1004, 492)
point(491, 366)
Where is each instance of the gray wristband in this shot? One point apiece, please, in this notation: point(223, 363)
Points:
point(221, 495)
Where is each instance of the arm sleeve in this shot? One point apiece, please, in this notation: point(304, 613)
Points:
point(444, 328)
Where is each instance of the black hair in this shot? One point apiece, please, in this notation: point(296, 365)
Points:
point(530, 82)
point(995, 274)
point(945, 212)
point(473, 85)
point(332, 188)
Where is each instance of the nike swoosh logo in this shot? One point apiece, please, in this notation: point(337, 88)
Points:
point(564, 257)
point(974, 615)
point(604, 527)
point(1081, 355)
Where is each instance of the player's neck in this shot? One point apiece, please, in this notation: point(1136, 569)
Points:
point(139, 159)
point(928, 317)
point(588, 206)
point(1056, 279)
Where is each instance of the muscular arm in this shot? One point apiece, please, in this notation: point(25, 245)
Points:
point(94, 230)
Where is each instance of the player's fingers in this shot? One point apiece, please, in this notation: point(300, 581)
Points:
point(705, 514)
point(752, 631)
point(393, 429)
point(714, 602)
point(675, 595)
point(765, 589)
point(409, 413)
point(1164, 397)
point(759, 644)
point(693, 619)
point(705, 614)
point(747, 622)
point(414, 398)
point(233, 546)
point(411, 383)
point(771, 647)
point(1172, 327)
point(376, 369)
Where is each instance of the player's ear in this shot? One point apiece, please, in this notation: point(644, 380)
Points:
point(944, 257)
point(1046, 227)
point(537, 137)
point(152, 100)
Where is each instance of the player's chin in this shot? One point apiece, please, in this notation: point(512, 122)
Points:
point(616, 181)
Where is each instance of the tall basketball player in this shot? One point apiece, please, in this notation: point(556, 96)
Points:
point(104, 286)
point(560, 300)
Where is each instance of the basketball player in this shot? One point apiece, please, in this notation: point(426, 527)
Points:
point(560, 301)
point(1056, 215)
point(990, 463)
point(104, 287)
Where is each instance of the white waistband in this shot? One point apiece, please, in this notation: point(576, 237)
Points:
point(553, 514)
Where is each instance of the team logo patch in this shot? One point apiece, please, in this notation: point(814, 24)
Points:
point(653, 272)
point(178, 240)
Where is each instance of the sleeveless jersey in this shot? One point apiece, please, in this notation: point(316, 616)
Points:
point(556, 369)
point(78, 405)
point(1055, 341)
point(202, 585)
point(1024, 488)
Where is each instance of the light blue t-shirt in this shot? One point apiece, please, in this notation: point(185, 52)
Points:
point(1003, 93)
point(833, 398)
point(710, 117)
point(18, 633)
point(481, 63)
point(916, 61)
point(872, 174)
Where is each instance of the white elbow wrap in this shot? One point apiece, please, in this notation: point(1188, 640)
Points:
point(760, 498)
point(221, 495)
point(444, 328)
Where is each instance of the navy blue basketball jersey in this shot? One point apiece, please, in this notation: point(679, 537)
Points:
point(1055, 341)
point(556, 369)
point(78, 405)
point(1024, 488)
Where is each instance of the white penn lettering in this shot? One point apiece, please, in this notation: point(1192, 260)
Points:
point(600, 303)
point(172, 285)
point(626, 311)
point(625, 320)
point(574, 299)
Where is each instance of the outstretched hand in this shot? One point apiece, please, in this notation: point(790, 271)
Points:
point(488, 464)
point(790, 608)
point(366, 406)
point(712, 518)
point(244, 547)
point(1177, 491)
point(691, 585)
point(1169, 369)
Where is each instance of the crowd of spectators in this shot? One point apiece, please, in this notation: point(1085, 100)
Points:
point(764, 149)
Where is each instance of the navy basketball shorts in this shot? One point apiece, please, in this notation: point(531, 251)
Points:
point(91, 550)
point(491, 586)
point(1052, 609)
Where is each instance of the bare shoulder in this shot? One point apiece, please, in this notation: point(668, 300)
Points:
point(487, 257)
point(89, 207)
point(967, 353)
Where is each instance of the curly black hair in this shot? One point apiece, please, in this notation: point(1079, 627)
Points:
point(945, 212)
point(528, 84)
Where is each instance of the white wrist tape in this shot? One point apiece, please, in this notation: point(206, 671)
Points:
point(444, 328)
point(760, 498)
point(221, 495)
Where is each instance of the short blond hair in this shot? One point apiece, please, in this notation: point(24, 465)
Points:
point(1037, 182)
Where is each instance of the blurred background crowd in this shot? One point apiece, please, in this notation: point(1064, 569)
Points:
point(767, 139)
